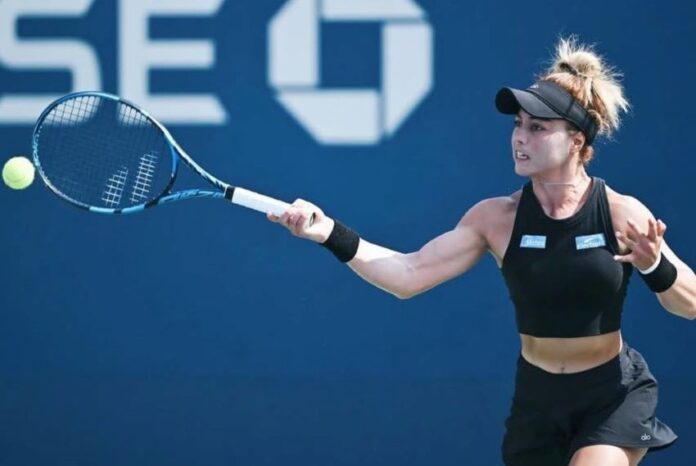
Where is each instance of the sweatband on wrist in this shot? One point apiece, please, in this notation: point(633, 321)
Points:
point(662, 277)
point(342, 242)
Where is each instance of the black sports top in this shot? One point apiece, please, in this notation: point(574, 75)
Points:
point(561, 274)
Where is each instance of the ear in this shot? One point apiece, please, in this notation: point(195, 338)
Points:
point(577, 141)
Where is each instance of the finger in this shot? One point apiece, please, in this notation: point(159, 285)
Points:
point(306, 205)
point(272, 218)
point(286, 215)
point(652, 230)
point(661, 228)
point(631, 246)
point(292, 218)
point(628, 258)
point(291, 215)
point(633, 228)
point(299, 221)
point(638, 250)
point(302, 221)
point(640, 253)
point(628, 242)
point(632, 235)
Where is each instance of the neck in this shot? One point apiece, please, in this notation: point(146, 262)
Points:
point(562, 194)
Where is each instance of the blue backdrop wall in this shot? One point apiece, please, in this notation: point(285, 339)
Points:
point(201, 334)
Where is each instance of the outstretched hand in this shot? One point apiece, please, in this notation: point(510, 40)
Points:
point(644, 246)
point(305, 220)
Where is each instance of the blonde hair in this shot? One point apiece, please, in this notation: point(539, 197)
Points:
point(594, 84)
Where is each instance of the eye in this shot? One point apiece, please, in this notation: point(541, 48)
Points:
point(517, 123)
point(536, 127)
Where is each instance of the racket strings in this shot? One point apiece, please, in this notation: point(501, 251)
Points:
point(104, 153)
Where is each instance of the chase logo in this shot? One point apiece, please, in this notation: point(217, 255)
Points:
point(350, 116)
point(533, 242)
point(590, 241)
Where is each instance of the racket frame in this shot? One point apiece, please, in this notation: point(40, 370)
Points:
point(234, 194)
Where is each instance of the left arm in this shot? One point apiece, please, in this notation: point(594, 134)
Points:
point(643, 236)
point(680, 298)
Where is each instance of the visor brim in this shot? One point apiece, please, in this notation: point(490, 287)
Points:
point(509, 101)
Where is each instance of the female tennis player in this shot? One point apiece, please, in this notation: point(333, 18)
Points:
point(566, 244)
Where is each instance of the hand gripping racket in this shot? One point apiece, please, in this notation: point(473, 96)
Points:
point(105, 154)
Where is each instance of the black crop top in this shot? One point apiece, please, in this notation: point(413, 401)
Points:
point(561, 274)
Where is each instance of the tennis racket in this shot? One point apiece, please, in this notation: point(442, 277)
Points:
point(102, 153)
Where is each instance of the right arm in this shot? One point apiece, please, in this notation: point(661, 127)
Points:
point(403, 275)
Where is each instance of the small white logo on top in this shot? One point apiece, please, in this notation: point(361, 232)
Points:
point(533, 241)
point(590, 241)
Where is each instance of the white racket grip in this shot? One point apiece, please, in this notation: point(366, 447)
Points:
point(256, 201)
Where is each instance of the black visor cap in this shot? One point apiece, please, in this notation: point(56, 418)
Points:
point(546, 99)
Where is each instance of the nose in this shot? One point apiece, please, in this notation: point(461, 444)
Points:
point(518, 136)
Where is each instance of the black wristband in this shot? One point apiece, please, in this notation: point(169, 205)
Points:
point(342, 242)
point(662, 277)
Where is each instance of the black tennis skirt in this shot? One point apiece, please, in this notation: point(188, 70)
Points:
point(554, 415)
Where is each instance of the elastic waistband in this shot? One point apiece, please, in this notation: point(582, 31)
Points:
point(526, 370)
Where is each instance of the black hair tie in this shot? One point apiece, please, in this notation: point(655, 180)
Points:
point(570, 69)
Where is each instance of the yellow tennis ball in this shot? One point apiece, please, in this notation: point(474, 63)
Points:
point(18, 172)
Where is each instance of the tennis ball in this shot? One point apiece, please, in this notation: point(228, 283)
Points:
point(18, 172)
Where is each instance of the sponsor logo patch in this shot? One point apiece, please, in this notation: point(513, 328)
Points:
point(590, 241)
point(533, 241)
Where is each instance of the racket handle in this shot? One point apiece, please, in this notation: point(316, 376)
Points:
point(259, 202)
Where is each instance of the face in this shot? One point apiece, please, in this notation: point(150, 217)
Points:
point(542, 146)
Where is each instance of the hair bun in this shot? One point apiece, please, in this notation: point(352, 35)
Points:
point(595, 85)
point(585, 64)
point(578, 60)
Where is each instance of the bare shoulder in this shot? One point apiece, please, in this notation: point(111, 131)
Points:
point(491, 211)
point(624, 207)
point(493, 220)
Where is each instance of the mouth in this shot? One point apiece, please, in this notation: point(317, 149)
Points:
point(521, 156)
